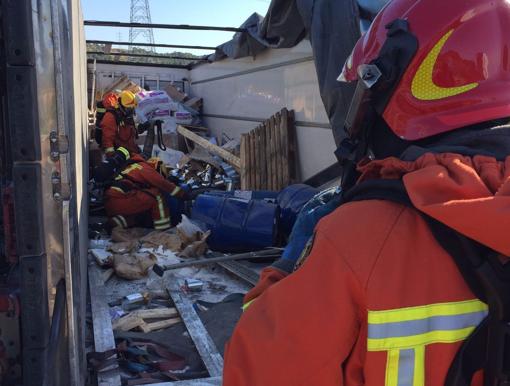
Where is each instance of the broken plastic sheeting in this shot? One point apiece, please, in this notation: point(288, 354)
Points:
point(333, 28)
point(133, 266)
point(188, 231)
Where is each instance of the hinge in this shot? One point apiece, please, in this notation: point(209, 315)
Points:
point(59, 144)
point(61, 192)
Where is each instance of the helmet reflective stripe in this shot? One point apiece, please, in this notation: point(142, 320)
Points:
point(404, 334)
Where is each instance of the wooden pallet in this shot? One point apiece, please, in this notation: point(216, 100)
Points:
point(268, 154)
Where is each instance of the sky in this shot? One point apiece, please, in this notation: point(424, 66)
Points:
point(221, 13)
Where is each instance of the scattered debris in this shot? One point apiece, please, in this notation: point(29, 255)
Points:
point(138, 319)
point(124, 247)
point(120, 234)
point(197, 248)
point(133, 266)
point(194, 285)
point(103, 258)
point(170, 241)
point(188, 231)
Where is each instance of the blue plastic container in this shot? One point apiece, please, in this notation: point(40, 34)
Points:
point(236, 225)
point(291, 200)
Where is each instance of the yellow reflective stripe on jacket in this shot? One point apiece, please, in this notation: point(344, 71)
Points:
point(175, 191)
point(247, 304)
point(130, 168)
point(124, 151)
point(422, 312)
point(404, 334)
point(109, 150)
point(118, 189)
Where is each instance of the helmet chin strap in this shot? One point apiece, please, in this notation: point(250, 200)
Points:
point(376, 82)
point(358, 123)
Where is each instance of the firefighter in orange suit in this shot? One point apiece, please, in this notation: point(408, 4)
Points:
point(135, 191)
point(117, 125)
point(392, 290)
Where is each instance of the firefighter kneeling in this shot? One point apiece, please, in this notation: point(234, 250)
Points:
point(135, 189)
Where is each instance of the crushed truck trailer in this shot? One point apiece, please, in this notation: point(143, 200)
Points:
point(288, 60)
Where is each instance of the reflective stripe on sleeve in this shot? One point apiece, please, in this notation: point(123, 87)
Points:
point(406, 332)
point(175, 191)
point(247, 304)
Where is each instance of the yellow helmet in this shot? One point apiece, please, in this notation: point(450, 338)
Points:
point(128, 99)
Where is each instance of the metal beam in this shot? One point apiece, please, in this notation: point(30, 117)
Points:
point(149, 45)
point(140, 64)
point(105, 23)
point(145, 55)
point(204, 344)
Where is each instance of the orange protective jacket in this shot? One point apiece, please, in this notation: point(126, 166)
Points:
point(138, 189)
point(117, 134)
point(378, 301)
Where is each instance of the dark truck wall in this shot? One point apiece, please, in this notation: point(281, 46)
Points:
point(44, 123)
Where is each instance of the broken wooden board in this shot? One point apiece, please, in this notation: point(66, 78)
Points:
point(204, 344)
point(212, 148)
point(149, 327)
point(103, 333)
point(137, 319)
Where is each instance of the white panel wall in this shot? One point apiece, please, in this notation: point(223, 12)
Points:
point(240, 93)
point(106, 72)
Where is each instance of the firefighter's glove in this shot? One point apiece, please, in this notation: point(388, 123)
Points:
point(111, 166)
point(143, 127)
point(185, 192)
point(318, 207)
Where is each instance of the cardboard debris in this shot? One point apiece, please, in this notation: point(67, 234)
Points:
point(188, 231)
point(121, 235)
point(175, 94)
point(134, 266)
point(167, 240)
point(197, 248)
point(195, 103)
point(124, 247)
point(103, 258)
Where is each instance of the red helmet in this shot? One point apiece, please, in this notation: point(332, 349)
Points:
point(458, 73)
point(110, 101)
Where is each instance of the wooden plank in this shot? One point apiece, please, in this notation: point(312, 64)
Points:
point(214, 381)
point(256, 175)
point(253, 164)
point(149, 327)
point(226, 155)
point(263, 159)
point(244, 161)
point(279, 154)
point(103, 333)
point(267, 147)
point(274, 155)
point(203, 342)
point(284, 135)
point(293, 170)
